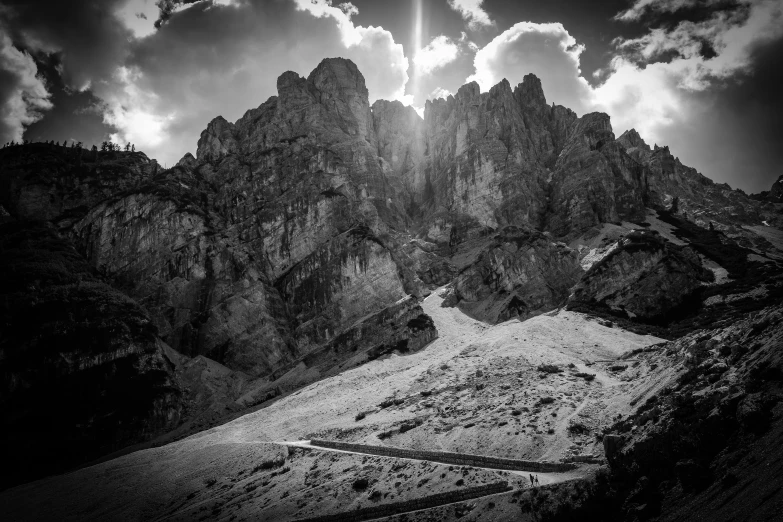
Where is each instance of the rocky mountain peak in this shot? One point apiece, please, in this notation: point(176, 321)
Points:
point(530, 93)
point(630, 139)
point(341, 87)
point(597, 128)
point(216, 140)
point(468, 92)
point(396, 109)
point(288, 81)
point(187, 161)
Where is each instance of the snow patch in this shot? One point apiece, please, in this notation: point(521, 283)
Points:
point(597, 254)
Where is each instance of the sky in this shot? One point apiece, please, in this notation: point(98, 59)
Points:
point(701, 76)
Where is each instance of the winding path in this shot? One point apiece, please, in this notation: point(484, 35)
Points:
point(544, 478)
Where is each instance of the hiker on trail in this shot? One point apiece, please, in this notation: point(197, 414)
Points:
point(538, 482)
point(532, 480)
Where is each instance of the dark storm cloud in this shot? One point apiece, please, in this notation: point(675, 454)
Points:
point(210, 59)
point(737, 135)
point(89, 37)
point(75, 115)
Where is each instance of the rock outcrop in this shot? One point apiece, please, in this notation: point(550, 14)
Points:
point(697, 196)
point(694, 444)
point(774, 194)
point(276, 237)
point(521, 273)
point(507, 158)
point(83, 371)
point(645, 277)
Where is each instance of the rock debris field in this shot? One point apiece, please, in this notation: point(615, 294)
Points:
point(536, 390)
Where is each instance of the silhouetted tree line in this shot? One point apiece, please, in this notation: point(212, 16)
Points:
point(106, 146)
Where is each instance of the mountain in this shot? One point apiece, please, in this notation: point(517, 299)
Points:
point(299, 243)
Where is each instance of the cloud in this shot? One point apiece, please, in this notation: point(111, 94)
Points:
point(23, 95)
point(175, 80)
point(472, 12)
point(642, 7)
point(646, 99)
point(546, 50)
point(439, 93)
point(439, 52)
point(670, 84)
point(651, 95)
point(91, 40)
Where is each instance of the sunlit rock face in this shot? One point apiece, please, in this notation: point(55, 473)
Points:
point(274, 238)
point(315, 210)
point(505, 157)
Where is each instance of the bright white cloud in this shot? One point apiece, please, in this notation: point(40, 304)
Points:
point(647, 100)
point(439, 93)
point(127, 108)
point(472, 12)
point(653, 97)
point(139, 16)
point(177, 81)
point(546, 50)
point(637, 91)
point(439, 52)
point(23, 95)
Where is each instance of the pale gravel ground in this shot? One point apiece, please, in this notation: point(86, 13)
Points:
point(771, 234)
point(173, 478)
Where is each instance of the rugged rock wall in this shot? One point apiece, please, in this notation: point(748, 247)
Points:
point(520, 274)
point(83, 372)
point(697, 196)
point(507, 158)
point(645, 276)
point(702, 446)
point(275, 238)
point(41, 181)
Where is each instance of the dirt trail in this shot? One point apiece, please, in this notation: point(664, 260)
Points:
point(543, 478)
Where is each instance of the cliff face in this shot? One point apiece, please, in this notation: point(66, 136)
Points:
point(507, 158)
point(275, 237)
point(698, 196)
point(83, 372)
point(521, 273)
point(315, 210)
point(644, 276)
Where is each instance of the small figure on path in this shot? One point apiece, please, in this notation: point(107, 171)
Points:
point(532, 480)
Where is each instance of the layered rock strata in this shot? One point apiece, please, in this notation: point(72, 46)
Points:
point(83, 371)
point(645, 276)
point(521, 273)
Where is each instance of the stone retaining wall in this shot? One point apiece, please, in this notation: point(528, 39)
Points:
point(438, 499)
point(460, 459)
